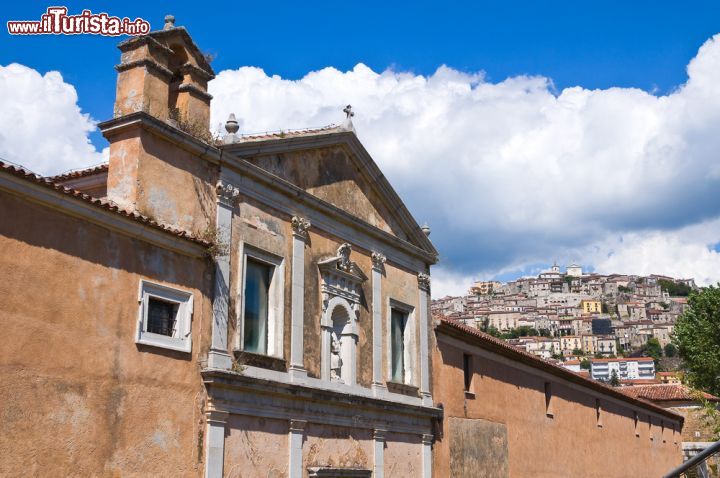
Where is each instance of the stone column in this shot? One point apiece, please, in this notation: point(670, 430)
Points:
point(378, 385)
point(427, 440)
point(215, 442)
point(218, 356)
point(425, 324)
point(300, 227)
point(297, 432)
point(379, 461)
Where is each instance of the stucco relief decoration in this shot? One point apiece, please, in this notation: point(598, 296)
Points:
point(424, 281)
point(300, 226)
point(226, 193)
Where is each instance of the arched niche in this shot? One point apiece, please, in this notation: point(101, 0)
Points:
point(341, 288)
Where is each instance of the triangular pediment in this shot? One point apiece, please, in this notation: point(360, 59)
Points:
point(337, 169)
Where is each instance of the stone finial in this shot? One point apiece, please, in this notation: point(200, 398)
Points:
point(169, 22)
point(426, 229)
point(300, 226)
point(348, 111)
point(232, 127)
point(378, 260)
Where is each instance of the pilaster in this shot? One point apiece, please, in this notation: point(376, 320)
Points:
point(218, 356)
point(300, 228)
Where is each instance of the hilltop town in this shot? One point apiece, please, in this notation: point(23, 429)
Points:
point(594, 324)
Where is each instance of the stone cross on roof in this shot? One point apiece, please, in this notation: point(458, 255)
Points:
point(349, 113)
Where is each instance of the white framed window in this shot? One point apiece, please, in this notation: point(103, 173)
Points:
point(261, 303)
point(165, 317)
point(401, 343)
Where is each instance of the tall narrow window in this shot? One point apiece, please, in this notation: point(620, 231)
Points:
point(637, 422)
point(548, 400)
point(257, 286)
point(467, 371)
point(398, 322)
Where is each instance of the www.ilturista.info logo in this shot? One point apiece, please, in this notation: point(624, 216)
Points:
point(57, 22)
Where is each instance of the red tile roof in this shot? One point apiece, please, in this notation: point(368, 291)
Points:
point(666, 393)
point(79, 173)
point(99, 203)
point(515, 353)
point(287, 133)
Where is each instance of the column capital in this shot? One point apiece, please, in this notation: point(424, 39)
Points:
point(297, 426)
point(216, 417)
point(378, 261)
point(300, 227)
point(379, 434)
point(423, 281)
point(226, 193)
point(427, 438)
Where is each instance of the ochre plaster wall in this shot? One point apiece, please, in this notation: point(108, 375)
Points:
point(78, 397)
point(569, 444)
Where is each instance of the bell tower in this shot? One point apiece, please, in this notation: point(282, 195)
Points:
point(165, 75)
point(160, 130)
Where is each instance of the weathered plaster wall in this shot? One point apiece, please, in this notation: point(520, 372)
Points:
point(162, 181)
point(78, 397)
point(335, 446)
point(256, 447)
point(569, 444)
point(331, 175)
point(403, 455)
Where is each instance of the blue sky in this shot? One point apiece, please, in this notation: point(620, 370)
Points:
point(567, 126)
point(638, 44)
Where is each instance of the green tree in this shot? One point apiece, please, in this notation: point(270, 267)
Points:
point(675, 289)
point(585, 364)
point(577, 352)
point(653, 349)
point(670, 350)
point(697, 336)
point(614, 379)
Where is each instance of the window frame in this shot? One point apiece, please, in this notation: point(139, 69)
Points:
point(183, 326)
point(410, 343)
point(276, 300)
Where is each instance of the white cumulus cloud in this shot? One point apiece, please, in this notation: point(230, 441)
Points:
point(41, 124)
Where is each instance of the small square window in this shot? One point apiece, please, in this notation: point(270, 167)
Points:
point(164, 318)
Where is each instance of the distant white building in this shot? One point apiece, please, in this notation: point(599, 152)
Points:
point(574, 270)
point(625, 368)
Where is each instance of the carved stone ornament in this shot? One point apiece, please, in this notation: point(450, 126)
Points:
point(343, 253)
point(226, 193)
point(378, 260)
point(300, 226)
point(424, 281)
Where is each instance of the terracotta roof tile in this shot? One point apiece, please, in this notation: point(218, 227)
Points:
point(79, 173)
point(282, 134)
point(99, 203)
point(665, 392)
